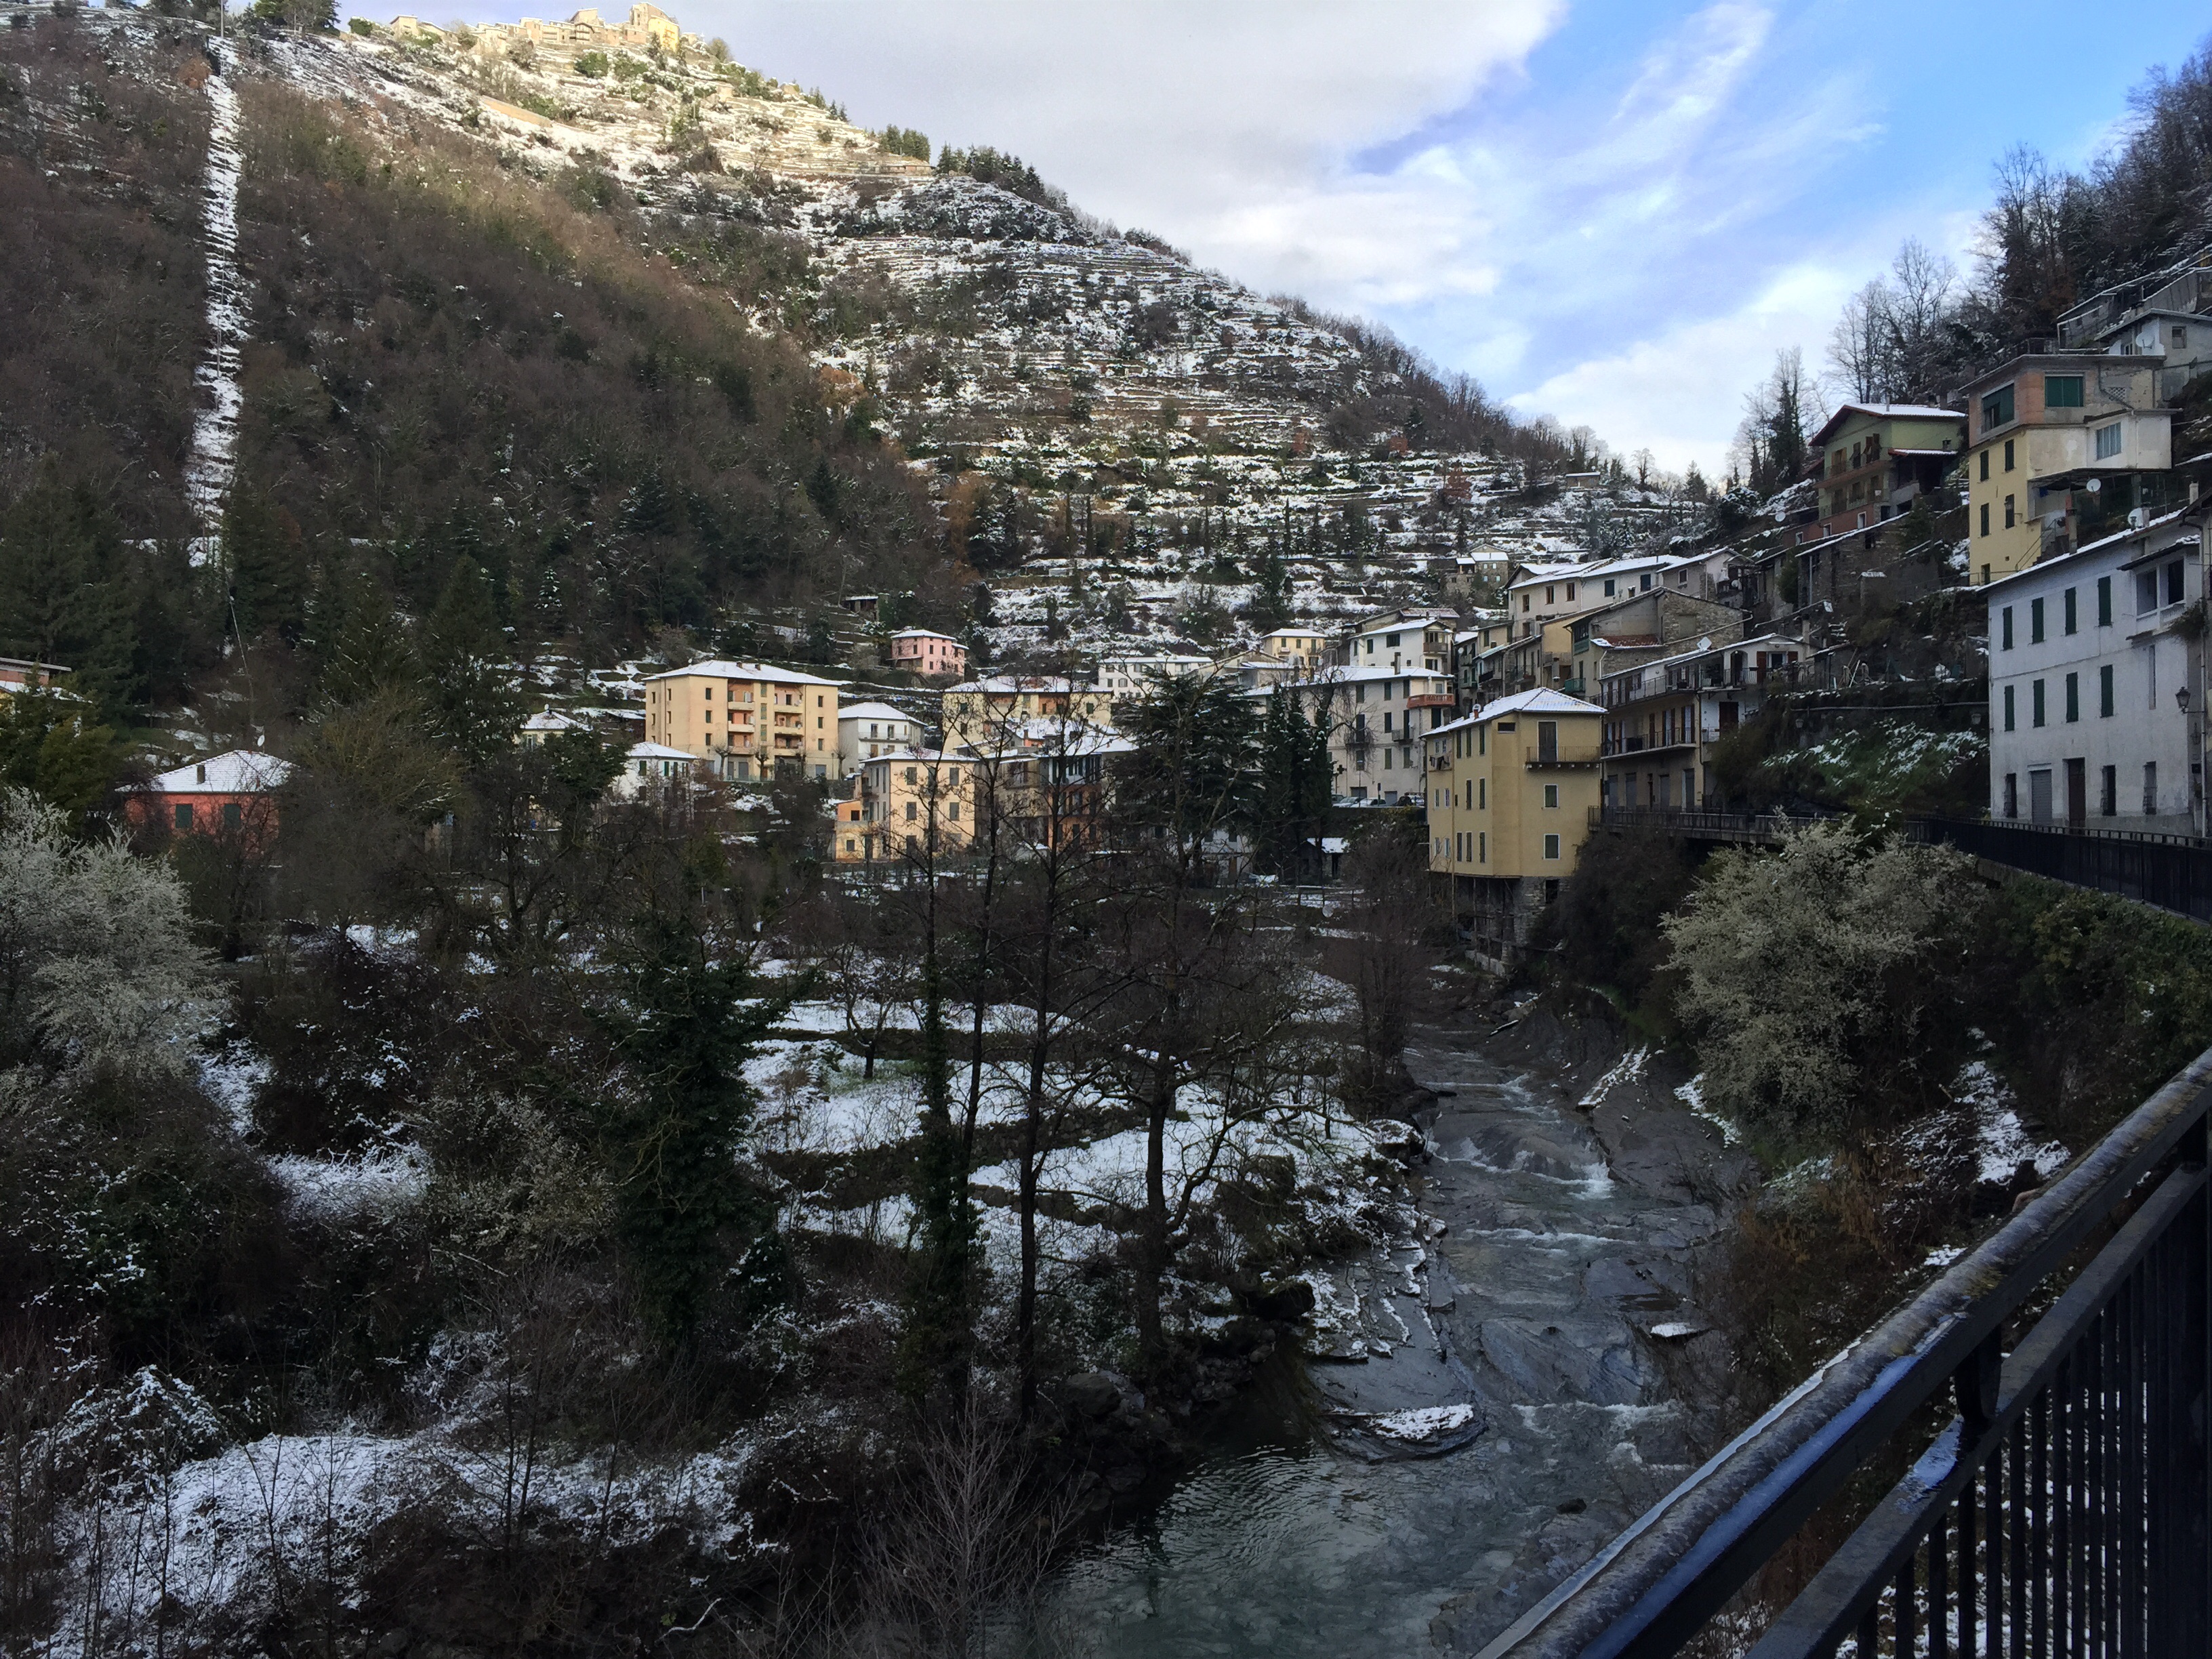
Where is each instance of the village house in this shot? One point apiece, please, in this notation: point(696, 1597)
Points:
point(1397, 640)
point(1304, 649)
point(2166, 314)
point(1134, 675)
point(914, 803)
point(745, 720)
point(1509, 797)
point(919, 651)
point(977, 711)
point(867, 730)
point(649, 765)
point(23, 674)
point(230, 793)
point(546, 723)
point(1663, 718)
point(1648, 624)
point(1874, 460)
point(1377, 718)
point(2096, 684)
point(646, 29)
point(2067, 448)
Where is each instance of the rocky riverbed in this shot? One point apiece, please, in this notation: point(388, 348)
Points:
point(1482, 1407)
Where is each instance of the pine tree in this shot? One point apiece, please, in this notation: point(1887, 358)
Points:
point(474, 704)
point(262, 551)
point(60, 600)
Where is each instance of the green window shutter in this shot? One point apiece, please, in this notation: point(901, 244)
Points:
point(2105, 603)
point(2009, 690)
point(2035, 622)
point(2007, 616)
point(2073, 698)
point(2105, 691)
point(2073, 624)
point(2062, 391)
point(2035, 701)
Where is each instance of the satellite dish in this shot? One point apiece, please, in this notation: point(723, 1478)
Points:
point(1706, 643)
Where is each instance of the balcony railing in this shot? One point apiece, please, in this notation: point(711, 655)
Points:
point(2066, 1508)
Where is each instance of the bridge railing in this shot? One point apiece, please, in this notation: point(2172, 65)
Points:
point(2063, 1508)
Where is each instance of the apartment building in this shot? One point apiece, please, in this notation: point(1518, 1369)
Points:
point(1663, 718)
point(977, 711)
point(2097, 684)
point(2066, 448)
point(914, 803)
point(1399, 640)
point(1638, 628)
point(745, 720)
point(1304, 649)
point(2166, 314)
point(1134, 675)
point(1509, 796)
point(1376, 719)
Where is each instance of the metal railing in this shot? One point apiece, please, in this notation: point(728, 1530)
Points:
point(2171, 871)
point(1703, 825)
point(2063, 1510)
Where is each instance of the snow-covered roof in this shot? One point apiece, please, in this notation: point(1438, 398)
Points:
point(924, 634)
point(547, 720)
point(721, 669)
point(1887, 412)
point(1315, 632)
point(239, 772)
point(1539, 701)
point(871, 711)
point(1003, 685)
point(1544, 573)
point(658, 751)
point(1709, 650)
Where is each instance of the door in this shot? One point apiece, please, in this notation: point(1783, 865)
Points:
point(2038, 796)
point(2077, 794)
point(1728, 717)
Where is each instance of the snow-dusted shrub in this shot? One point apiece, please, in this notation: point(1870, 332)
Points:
point(1822, 980)
point(98, 971)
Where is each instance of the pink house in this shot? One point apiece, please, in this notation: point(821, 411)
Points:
point(925, 652)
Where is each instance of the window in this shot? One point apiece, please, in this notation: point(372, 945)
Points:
point(2104, 601)
point(1482, 793)
point(2004, 631)
point(1608, 588)
point(1551, 846)
point(1524, 606)
point(2009, 520)
point(1482, 847)
point(2150, 789)
point(2035, 701)
point(2035, 622)
point(2146, 592)
point(2073, 698)
point(2174, 583)
point(2108, 792)
point(232, 814)
point(1551, 795)
point(2104, 693)
point(184, 814)
point(1985, 527)
point(909, 777)
point(2009, 690)
point(2062, 391)
point(2009, 442)
point(1997, 408)
point(2012, 795)
point(2070, 624)
point(2180, 332)
point(2108, 441)
point(1548, 736)
point(1985, 466)
point(910, 812)
point(952, 812)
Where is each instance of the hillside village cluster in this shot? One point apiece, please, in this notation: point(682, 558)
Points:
point(1589, 687)
point(1551, 685)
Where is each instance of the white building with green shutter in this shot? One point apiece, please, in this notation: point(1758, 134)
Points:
point(2097, 684)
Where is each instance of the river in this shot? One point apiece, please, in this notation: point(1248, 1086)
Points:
point(1519, 1395)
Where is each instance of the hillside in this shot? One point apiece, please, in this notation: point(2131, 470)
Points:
point(673, 346)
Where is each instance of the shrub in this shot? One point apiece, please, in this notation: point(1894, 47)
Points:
point(593, 66)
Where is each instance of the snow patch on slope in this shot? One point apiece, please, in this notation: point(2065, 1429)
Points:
point(213, 460)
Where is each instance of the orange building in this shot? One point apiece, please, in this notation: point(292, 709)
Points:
point(229, 792)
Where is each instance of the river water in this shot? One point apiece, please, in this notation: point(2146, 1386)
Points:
point(1516, 1399)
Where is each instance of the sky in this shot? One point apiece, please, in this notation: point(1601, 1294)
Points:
point(1614, 213)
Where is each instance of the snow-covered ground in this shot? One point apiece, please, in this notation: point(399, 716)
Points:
point(213, 458)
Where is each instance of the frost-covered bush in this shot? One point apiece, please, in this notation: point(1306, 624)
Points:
point(98, 971)
point(1823, 981)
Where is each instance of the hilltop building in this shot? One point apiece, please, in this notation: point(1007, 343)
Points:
point(1876, 458)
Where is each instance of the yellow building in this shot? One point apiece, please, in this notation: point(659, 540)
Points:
point(1510, 795)
point(914, 803)
point(986, 710)
point(1301, 648)
point(2060, 442)
point(746, 720)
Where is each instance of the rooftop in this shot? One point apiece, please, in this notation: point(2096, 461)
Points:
point(239, 772)
point(721, 669)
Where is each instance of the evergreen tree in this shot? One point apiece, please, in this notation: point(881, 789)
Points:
point(473, 702)
point(1296, 784)
point(262, 551)
point(1193, 768)
point(60, 599)
point(934, 1344)
point(685, 1213)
